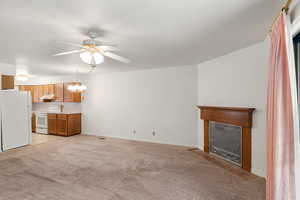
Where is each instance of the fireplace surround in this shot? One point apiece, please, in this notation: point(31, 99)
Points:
point(235, 116)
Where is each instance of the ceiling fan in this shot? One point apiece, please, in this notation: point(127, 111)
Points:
point(92, 51)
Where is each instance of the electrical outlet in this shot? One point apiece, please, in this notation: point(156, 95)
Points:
point(153, 133)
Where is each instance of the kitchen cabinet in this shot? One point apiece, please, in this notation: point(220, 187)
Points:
point(45, 89)
point(40, 92)
point(7, 82)
point(35, 93)
point(33, 122)
point(28, 88)
point(64, 124)
point(51, 123)
point(59, 90)
point(74, 124)
point(70, 96)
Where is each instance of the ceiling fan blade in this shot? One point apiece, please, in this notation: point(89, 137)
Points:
point(116, 57)
point(72, 44)
point(69, 52)
point(108, 48)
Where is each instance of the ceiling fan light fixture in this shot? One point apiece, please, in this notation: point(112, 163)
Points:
point(77, 87)
point(22, 77)
point(88, 57)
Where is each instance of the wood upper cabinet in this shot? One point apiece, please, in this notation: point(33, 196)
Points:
point(28, 88)
point(35, 93)
point(71, 96)
point(51, 89)
point(68, 96)
point(7, 82)
point(40, 92)
point(45, 89)
point(59, 92)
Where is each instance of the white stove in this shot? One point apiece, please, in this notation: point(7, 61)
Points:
point(41, 122)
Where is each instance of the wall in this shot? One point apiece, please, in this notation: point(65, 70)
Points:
point(160, 100)
point(239, 79)
point(7, 69)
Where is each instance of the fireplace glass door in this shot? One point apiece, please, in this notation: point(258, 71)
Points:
point(225, 140)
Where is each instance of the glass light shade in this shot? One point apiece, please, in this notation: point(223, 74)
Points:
point(88, 56)
point(77, 87)
point(22, 77)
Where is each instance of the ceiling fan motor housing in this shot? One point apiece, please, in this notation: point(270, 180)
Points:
point(91, 42)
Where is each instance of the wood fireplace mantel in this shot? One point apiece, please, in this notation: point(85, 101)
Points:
point(231, 115)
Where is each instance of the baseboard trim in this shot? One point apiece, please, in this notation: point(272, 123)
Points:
point(142, 140)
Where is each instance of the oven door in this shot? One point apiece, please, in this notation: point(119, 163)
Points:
point(42, 121)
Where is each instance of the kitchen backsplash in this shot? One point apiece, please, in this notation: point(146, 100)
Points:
point(55, 107)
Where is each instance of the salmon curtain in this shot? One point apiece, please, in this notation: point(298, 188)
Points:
point(282, 116)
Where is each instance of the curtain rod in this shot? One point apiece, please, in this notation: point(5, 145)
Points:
point(285, 8)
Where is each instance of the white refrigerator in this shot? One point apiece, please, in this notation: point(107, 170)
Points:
point(15, 119)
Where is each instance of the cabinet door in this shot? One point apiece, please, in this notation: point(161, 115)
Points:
point(52, 124)
point(28, 88)
point(45, 89)
point(32, 91)
point(59, 92)
point(33, 123)
point(51, 89)
point(7, 82)
point(71, 96)
point(74, 124)
point(22, 87)
point(68, 96)
point(77, 97)
point(61, 125)
point(40, 92)
point(35, 93)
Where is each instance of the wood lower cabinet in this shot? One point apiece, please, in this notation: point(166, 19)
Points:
point(51, 123)
point(33, 123)
point(74, 124)
point(64, 124)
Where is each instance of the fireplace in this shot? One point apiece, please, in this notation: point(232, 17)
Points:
point(227, 133)
point(225, 140)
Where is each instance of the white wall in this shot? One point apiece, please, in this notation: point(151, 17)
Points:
point(7, 69)
point(163, 100)
point(239, 79)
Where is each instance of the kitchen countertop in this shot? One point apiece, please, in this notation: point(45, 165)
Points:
point(53, 112)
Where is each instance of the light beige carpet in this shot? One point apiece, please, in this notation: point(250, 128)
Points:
point(87, 168)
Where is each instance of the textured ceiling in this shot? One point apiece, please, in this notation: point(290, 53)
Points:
point(152, 33)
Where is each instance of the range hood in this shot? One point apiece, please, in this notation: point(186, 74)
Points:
point(47, 97)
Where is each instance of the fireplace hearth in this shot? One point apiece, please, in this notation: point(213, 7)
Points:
point(227, 133)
